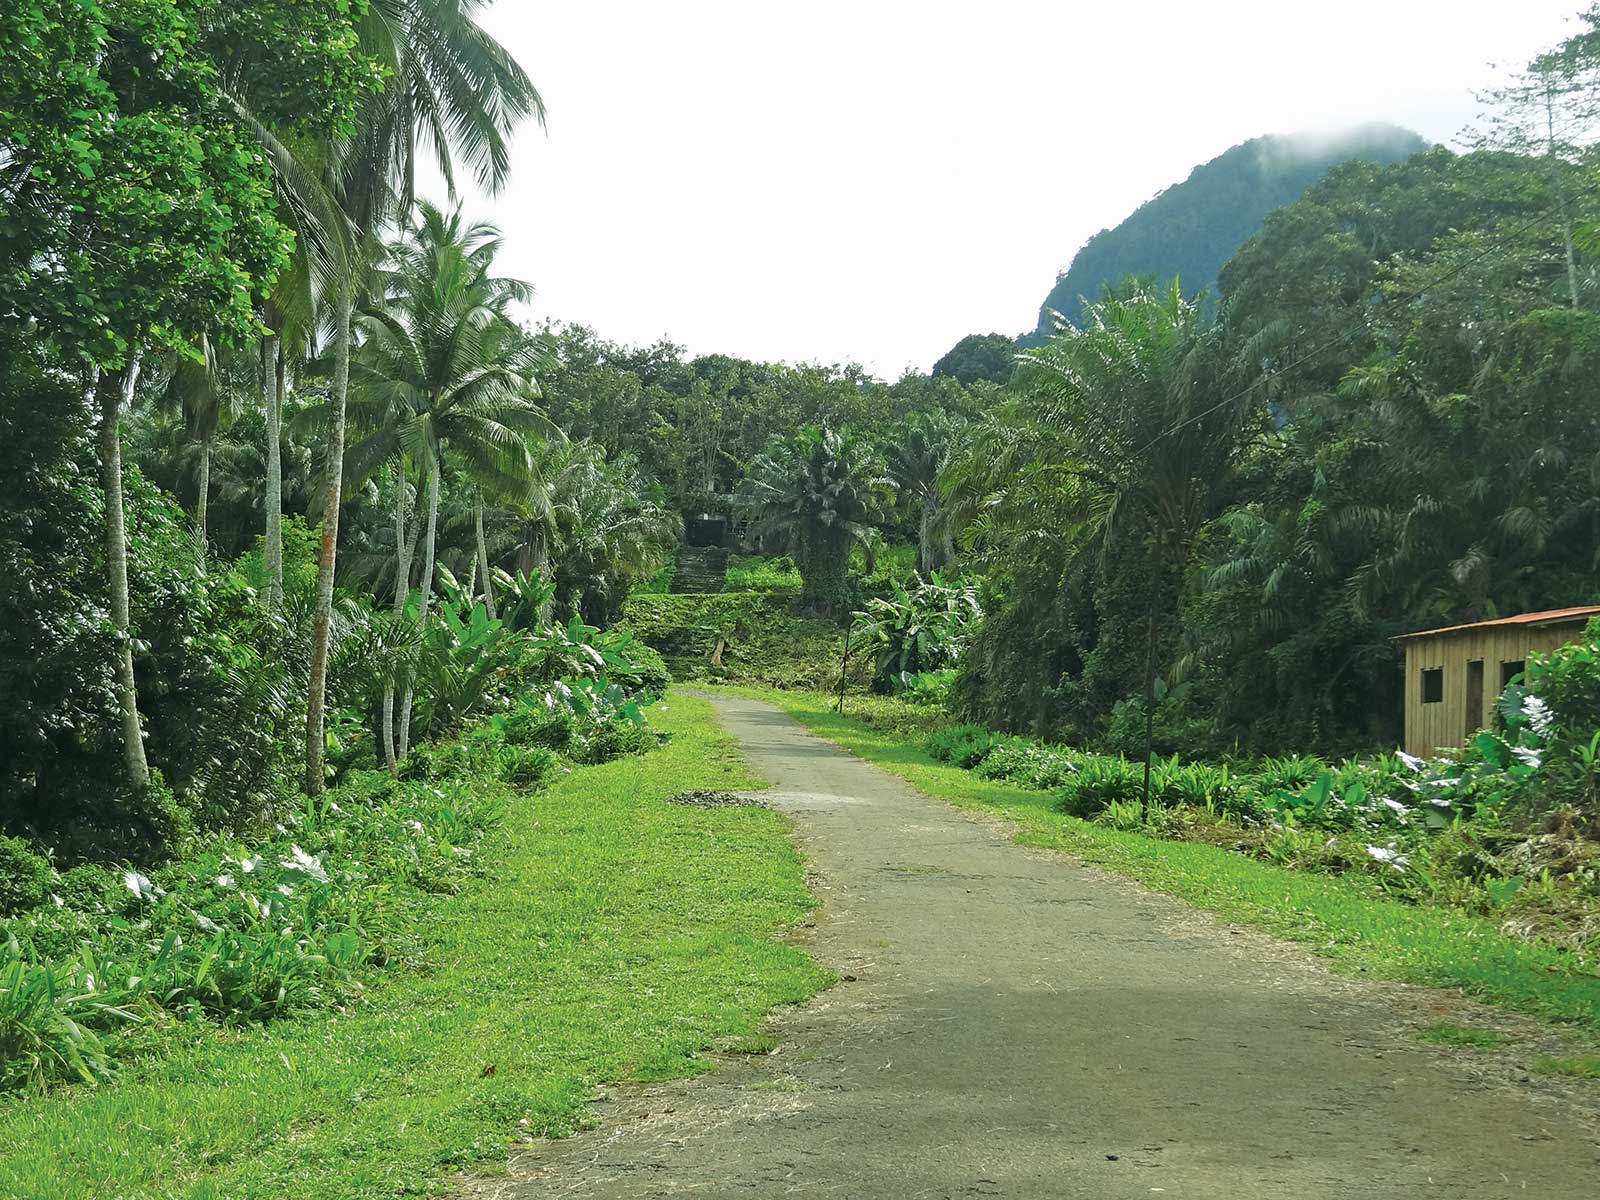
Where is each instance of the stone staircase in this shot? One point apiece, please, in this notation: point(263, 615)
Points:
point(700, 569)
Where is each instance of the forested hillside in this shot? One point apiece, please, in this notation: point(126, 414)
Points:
point(1191, 229)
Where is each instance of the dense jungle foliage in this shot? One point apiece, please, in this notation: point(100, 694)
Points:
point(1391, 424)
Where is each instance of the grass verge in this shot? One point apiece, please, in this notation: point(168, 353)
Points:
point(1336, 917)
point(611, 936)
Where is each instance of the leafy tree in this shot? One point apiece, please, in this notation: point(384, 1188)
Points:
point(987, 357)
point(1131, 437)
point(455, 92)
point(139, 215)
point(441, 364)
point(818, 493)
point(916, 460)
point(1551, 109)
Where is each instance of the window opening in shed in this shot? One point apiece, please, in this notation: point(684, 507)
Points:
point(1510, 670)
point(1433, 686)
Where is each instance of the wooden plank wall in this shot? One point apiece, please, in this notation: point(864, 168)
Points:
point(1431, 728)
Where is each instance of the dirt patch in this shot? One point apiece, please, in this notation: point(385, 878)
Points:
point(703, 798)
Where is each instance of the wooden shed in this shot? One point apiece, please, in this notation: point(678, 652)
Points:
point(1455, 675)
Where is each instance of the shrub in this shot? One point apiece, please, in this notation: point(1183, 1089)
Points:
point(962, 746)
point(1288, 774)
point(1204, 786)
point(527, 766)
point(1021, 761)
point(918, 630)
point(616, 737)
point(24, 877)
point(645, 670)
point(46, 1020)
point(1100, 782)
point(534, 723)
point(928, 688)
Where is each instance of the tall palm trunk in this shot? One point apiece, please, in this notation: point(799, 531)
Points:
point(271, 393)
point(322, 622)
point(428, 541)
point(202, 505)
point(926, 542)
point(1559, 178)
point(112, 395)
point(402, 588)
point(483, 557)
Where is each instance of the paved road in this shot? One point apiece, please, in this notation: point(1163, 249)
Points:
point(1014, 1024)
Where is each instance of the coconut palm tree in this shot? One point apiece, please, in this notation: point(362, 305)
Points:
point(441, 364)
point(203, 394)
point(455, 93)
point(819, 492)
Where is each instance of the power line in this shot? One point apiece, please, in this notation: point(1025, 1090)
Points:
point(1347, 336)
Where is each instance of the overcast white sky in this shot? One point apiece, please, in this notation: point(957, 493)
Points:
point(871, 180)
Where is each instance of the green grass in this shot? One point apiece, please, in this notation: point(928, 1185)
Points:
point(611, 936)
point(1573, 1066)
point(1338, 918)
point(1445, 1033)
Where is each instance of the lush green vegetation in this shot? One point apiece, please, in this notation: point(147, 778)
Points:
point(1218, 525)
point(595, 933)
point(1192, 228)
point(1350, 919)
point(330, 785)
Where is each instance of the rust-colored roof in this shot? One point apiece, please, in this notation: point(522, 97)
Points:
point(1553, 616)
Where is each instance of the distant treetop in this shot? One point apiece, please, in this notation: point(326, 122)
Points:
point(986, 356)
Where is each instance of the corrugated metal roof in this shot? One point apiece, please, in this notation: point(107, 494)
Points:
point(1553, 616)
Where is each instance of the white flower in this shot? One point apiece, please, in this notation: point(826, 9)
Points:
point(206, 923)
point(1454, 781)
point(306, 864)
point(1538, 714)
point(57, 900)
point(1396, 807)
point(283, 889)
point(416, 825)
point(140, 886)
point(249, 864)
point(1411, 760)
point(1526, 754)
point(1389, 855)
point(224, 881)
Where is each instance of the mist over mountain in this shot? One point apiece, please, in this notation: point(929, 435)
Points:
point(1191, 229)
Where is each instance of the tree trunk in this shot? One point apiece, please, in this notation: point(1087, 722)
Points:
point(201, 505)
point(426, 583)
point(925, 540)
point(483, 558)
point(402, 588)
point(539, 557)
point(272, 392)
point(1559, 179)
point(322, 623)
point(112, 395)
